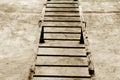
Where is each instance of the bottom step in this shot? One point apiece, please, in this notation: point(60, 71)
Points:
point(67, 72)
point(47, 77)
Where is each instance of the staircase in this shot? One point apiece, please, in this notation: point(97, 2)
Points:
point(62, 51)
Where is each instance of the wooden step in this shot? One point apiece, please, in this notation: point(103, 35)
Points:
point(62, 9)
point(54, 78)
point(79, 71)
point(61, 24)
point(44, 60)
point(62, 43)
point(62, 13)
point(68, 43)
point(63, 36)
point(60, 29)
point(57, 51)
point(62, 18)
point(64, 5)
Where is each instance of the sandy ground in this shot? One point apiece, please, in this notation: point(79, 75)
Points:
point(19, 37)
point(103, 31)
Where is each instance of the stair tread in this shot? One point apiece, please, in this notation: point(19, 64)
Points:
point(62, 18)
point(61, 24)
point(62, 28)
point(62, 9)
point(47, 78)
point(63, 36)
point(57, 51)
point(62, 71)
point(62, 12)
point(62, 43)
point(44, 60)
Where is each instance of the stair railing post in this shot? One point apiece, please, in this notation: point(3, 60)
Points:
point(42, 36)
point(81, 37)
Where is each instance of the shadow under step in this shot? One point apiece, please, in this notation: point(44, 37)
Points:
point(64, 2)
point(63, 26)
point(61, 15)
point(61, 20)
point(62, 39)
point(37, 65)
point(47, 55)
point(63, 47)
point(61, 7)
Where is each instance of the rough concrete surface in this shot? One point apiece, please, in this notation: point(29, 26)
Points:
point(19, 34)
